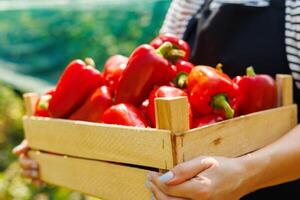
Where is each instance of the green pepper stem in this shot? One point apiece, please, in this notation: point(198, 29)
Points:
point(219, 67)
point(89, 62)
point(176, 54)
point(220, 101)
point(164, 49)
point(250, 71)
point(168, 51)
point(181, 80)
point(44, 102)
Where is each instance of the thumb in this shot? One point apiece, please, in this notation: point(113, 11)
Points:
point(21, 148)
point(187, 170)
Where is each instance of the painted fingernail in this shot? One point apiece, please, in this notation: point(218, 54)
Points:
point(166, 177)
point(147, 185)
point(34, 174)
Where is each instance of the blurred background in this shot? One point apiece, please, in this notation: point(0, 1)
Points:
point(37, 40)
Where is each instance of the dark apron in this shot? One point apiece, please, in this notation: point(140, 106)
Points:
point(239, 36)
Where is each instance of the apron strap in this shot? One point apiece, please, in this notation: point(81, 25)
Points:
point(192, 36)
point(200, 19)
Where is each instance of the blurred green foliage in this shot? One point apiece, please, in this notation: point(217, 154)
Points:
point(12, 185)
point(38, 40)
point(11, 111)
point(41, 42)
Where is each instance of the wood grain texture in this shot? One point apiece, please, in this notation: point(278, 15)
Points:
point(140, 146)
point(172, 114)
point(146, 147)
point(30, 100)
point(238, 136)
point(100, 179)
point(285, 89)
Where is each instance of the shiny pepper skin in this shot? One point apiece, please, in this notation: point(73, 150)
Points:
point(124, 114)
point(211, 91)
point(76, 83)
point(256, 92)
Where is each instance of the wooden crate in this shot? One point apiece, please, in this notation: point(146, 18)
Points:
point(111, 162)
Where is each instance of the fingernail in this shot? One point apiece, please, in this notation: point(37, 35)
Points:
point(34, 174)
point(166, 177)
point(147, 185)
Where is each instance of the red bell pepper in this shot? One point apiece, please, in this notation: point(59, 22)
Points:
point(42, 105)
point(211, 91)
point(183, 68)
point(164, 91)
point(256, 92)
point(178, 43)
point(76, 83)
point(146, 68)
point(124, 114)
point(94, 106)
point(206, 120)
point(113, 70)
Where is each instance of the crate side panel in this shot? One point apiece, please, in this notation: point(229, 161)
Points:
point(99, 179)
point(237, 137)
point(146, 147)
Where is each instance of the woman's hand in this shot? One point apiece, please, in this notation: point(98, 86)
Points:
point(217, 178)
point(205, 178)
point(29, 167)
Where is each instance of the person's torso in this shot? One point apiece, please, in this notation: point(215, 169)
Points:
point(239, 36)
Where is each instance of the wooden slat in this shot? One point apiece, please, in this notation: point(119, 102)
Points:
point(100, 179)
point(237, 136)
point(30, 100)
point(172, 114)
point(140, 146)
point(285, 89)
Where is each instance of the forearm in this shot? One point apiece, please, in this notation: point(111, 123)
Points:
point(272, 165)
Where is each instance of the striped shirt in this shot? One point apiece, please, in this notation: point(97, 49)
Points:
point(181, 11)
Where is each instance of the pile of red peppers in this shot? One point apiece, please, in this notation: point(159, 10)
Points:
point(124, 94)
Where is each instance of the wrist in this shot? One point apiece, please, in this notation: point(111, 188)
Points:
point(253, 169)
